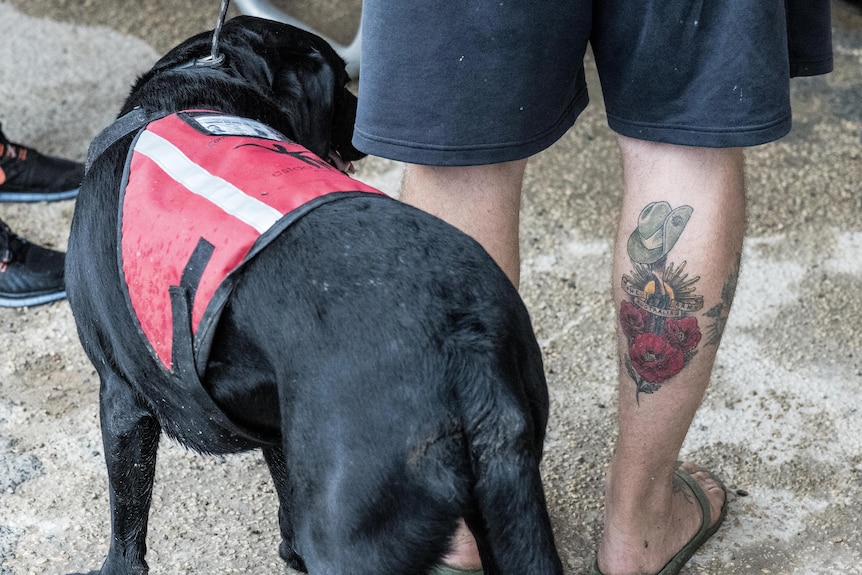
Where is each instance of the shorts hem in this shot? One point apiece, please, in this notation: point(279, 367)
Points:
point(811, 67)
point(703, 137)
point(468, 155)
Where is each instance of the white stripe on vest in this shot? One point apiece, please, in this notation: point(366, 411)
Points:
point(199, 181)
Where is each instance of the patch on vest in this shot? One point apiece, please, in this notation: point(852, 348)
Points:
point(203, 193)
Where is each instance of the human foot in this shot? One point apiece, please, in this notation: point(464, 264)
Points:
point(661, 538)
point(463, 554)
point(28, 176)
point(29, 274)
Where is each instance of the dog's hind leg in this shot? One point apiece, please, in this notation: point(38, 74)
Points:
point(511, 500)
point(130, 434)
point(274, 457)
point(505, 427)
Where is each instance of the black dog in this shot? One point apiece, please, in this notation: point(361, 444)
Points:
point(379, 358)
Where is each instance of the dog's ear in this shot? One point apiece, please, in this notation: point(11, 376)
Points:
point(304, 85)
point(343, 120)
point(311, 87)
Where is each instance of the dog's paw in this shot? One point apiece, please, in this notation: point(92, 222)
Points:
point(291, 557)
point(106, 570)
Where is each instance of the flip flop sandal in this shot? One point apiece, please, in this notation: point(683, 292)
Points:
point(706, 531)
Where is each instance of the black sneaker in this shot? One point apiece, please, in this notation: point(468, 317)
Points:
point(29, 274)
point(28, 176)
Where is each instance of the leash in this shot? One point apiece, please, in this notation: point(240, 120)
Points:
point(138, 118)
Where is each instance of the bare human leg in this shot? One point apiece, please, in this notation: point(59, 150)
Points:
point(482, 201)
point(675, 266)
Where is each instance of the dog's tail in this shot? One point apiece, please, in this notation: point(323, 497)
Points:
point(505, 426)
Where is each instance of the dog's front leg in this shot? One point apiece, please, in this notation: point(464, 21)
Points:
point(130, 435)
point(274, 457)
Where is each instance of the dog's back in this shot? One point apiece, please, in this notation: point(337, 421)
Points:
point(409, 386)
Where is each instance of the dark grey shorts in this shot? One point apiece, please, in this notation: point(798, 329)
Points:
point(487, 81)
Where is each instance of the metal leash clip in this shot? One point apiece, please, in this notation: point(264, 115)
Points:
point(215, 58)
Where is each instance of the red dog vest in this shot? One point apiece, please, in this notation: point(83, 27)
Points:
point(203, 193)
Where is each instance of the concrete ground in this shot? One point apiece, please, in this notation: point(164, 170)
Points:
point(780, 423)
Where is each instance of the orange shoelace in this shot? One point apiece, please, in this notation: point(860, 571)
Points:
point(10, 150)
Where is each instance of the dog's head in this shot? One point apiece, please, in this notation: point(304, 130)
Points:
point(287, 78)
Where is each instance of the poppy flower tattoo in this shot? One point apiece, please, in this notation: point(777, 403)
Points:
point(683, 333)
point(654, 358)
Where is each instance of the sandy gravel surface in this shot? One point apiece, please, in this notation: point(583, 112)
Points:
point(780, 424)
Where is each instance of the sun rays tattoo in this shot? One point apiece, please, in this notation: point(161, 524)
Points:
point(661, 334)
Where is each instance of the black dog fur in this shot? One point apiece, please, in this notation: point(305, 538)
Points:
point(379, 358)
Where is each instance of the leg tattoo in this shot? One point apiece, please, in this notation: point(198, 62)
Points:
point(661, 334)
point(720, 311)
